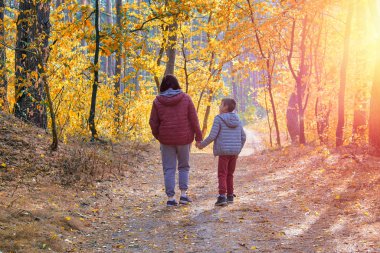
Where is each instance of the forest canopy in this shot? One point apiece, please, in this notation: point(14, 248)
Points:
point(301, 71)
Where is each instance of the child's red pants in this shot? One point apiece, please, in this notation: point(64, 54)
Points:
point(226, 168)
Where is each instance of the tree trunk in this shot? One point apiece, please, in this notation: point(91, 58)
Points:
point(32, 41)
point(374, 112)
point(269, 71)
point(343, 77)
point(91, 119)
point(268, 119)
point(207, 114)
point(292, 121)
point(278, 139)
point(119, 50)
point(160, 54)
point(300, 84)
point(44, 31)
point(118, 64)
point(3, 58)
point(110, 23)
point(170, 50)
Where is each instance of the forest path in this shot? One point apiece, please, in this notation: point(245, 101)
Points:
point(286, 202)
point(253, 143)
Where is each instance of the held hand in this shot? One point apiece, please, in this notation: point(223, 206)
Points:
point(198, 144)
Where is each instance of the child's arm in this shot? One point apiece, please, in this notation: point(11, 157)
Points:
point(213, 134)
point(243, 137)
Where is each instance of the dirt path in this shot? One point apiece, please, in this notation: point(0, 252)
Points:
point(297, 204)
point(253, 143)
point(299, 199)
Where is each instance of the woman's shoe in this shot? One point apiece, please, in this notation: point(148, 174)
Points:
point(185, 200)
point(171, 203)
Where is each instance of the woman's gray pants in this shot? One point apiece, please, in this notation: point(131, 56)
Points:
point(170, 154)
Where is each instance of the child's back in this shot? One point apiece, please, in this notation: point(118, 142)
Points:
point(227, 133)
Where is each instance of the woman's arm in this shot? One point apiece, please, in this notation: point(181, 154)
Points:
point(193, 117)
point(154, 121)
point(213, 134)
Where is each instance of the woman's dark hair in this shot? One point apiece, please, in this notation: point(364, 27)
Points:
point(169, 81)
point(230, 103)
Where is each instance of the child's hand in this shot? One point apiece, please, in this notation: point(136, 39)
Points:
point(198, 145)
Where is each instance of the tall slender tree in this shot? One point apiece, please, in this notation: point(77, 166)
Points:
point(343, 78)
point(91, 119)
point(300, 76)
point(269, 57)
point(33, 29)
point(374, 112)
point(3, 58)
point(119, 62)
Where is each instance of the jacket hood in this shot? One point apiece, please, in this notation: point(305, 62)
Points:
point(170, 92)
point(230, 119)
point(170, 100)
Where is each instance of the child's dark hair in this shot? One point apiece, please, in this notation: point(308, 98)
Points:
point(169, 81)
point(230, 103)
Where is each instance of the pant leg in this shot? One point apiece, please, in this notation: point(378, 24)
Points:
point(222, 173)
point(230, 174)
point(183, 155)
point(169, 164)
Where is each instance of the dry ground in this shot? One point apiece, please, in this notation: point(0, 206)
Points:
point(298, 199)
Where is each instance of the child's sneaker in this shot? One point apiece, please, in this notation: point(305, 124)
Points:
point(221, 201)
point(185, 200)
point(230, 198)
point(171, 203)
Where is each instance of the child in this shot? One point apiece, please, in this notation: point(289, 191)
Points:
point(229, 138)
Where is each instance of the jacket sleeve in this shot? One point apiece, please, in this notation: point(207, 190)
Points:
point(213, 134)
point(154, 121)
point(193, 117)
point(243, 137)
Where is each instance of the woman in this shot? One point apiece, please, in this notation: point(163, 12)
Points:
point(174, 123)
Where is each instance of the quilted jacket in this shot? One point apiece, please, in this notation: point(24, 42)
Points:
point(174, 120)
point(228, 135)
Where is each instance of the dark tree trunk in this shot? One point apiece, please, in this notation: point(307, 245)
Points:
point(119, 50)
point(118, 67)
point(33, 29)
point(91, 119)
point(343, 78)
point(109, 69)
point(185, 62)
point(374, 112)
point(3, 58)
point(170, 50)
